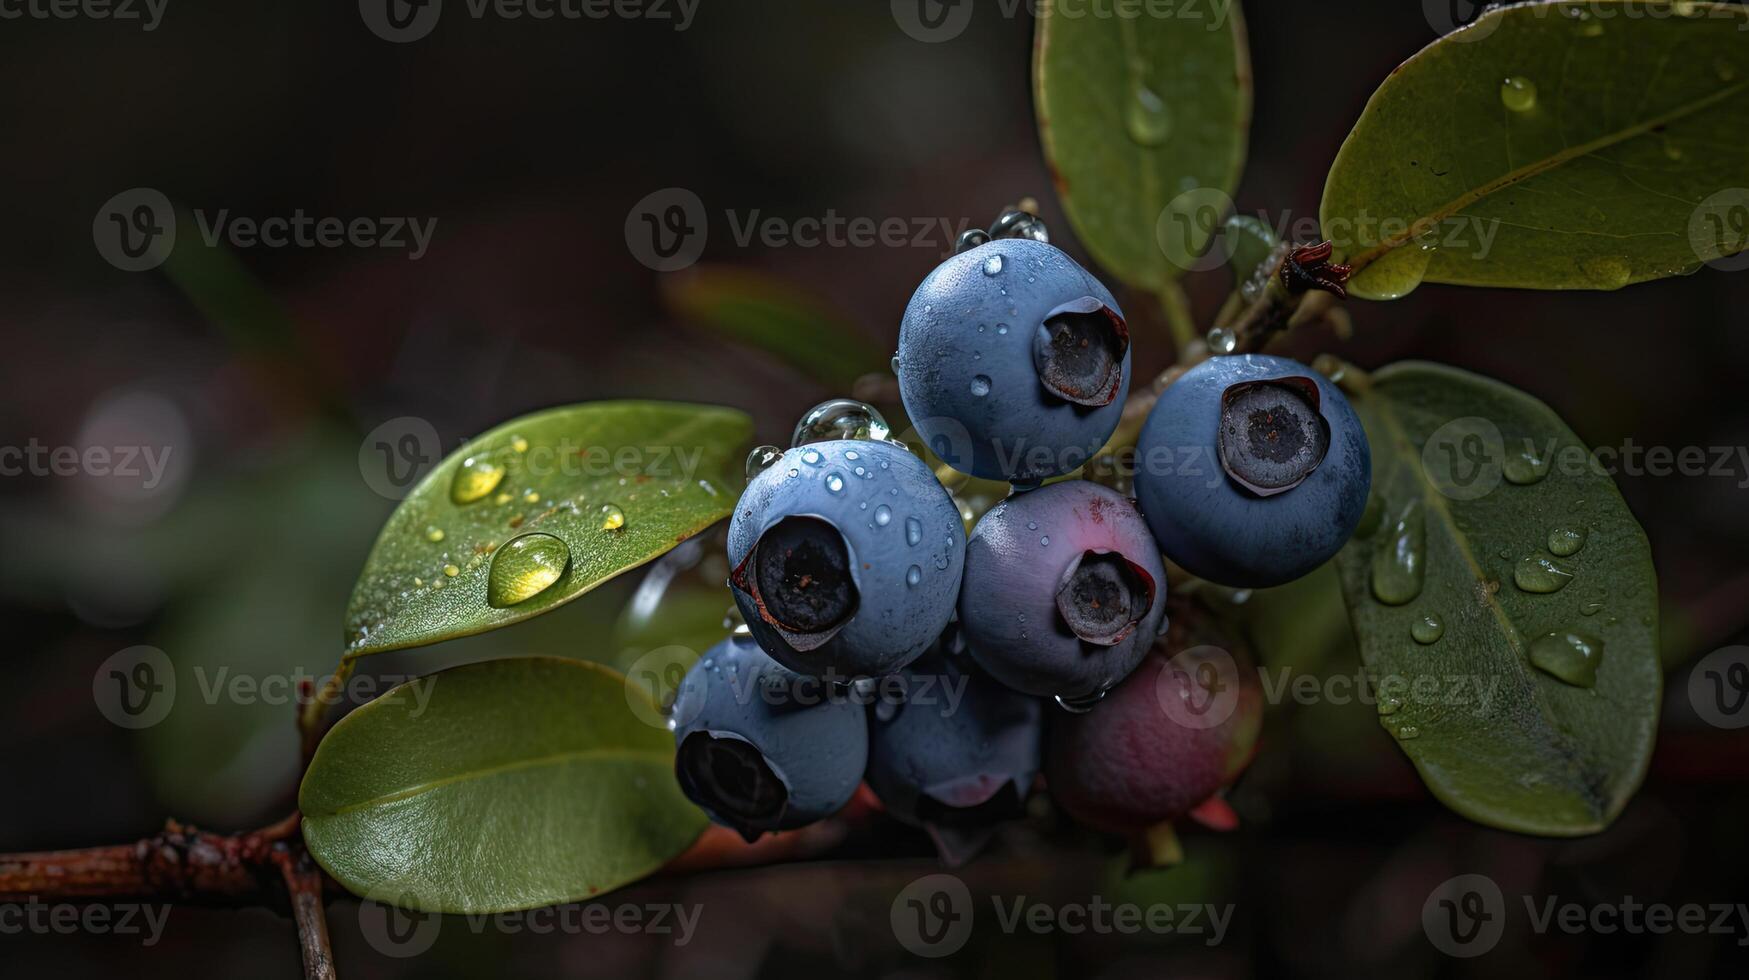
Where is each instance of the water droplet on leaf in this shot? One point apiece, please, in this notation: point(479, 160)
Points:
point(612, 518)
point(1568, 656)
point(1540, 575)
point(1399, 564)
point(1518, 93)
point(476, 477)
point(1427, 629)
point(524, 568)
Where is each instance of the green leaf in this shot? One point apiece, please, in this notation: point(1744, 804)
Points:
point(1144, 122)
point(1471, 478)
point(497, 786)
point(670, 469)
point(774, 316)
point(1562, 145)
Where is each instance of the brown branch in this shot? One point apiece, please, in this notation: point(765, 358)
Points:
point(304, 887)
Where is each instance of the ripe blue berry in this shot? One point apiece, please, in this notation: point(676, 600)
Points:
point(846, 558)
point(953, 752)
point(1252, 470)
point(1064, 590)
point(759, 747)
point(1172, 735)
point(1013, 362)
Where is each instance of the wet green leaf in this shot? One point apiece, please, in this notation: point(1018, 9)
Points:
point(1560, 145)
point(618, 483)
point(1144, 123)
point(1471, 477)
point(503, 785)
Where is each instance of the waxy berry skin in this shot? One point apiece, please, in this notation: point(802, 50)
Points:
point(1173, 734)
point(1064, 590)
point(846, 558)
point(1252, 470)
point(1013, 361)
point(956, 750)
point(761, 748)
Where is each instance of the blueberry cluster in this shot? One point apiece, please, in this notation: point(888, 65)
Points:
point(881, 643)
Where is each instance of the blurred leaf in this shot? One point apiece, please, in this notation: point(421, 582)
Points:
point(670, 469)
point(676, 613)
point(1497, 739)
point(1551, 146)
point(1144, 123)
point(505, 785)
point(1301, 626)
point(768, 314)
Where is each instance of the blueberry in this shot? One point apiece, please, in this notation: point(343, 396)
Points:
point(1013, 362)
point(1160, 744)
point(1252, 470)
point(846, 558)
point(1064, 590)
point(952, 751)
point(759, 747)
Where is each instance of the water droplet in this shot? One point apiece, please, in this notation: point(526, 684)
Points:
point(1565, 542)
point(1222, 341)
point(1407, 732)
point(1591, 608)
point(502, 499)
point(1518, 93)
point(1078, 706)
point(434, 534)
point(1399, 564)
point(1146, 118)
point(1525, 467)
point(1427, 629)
point(1396, 273)
point(1390, 705)
point(993, 265)
point(451, 571)
point(1044, 541)
point(612, 518)
point(883, 515)
point(835, 482)
point(531, 497)
point(913, 575)
point(519, 444)
point(980, 385)
point(1540, 575)
point(761, 459)
point(1032, 525)
point(913, 531)
point(1568, 656)
point(1002, 329)
point(474, 479)
point(840, 418)
point(894, 364)
point(524, 568)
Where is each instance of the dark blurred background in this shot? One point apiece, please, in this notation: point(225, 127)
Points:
point(529, 143)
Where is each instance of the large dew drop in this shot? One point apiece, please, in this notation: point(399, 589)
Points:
point(1399, 565)
point(1571, 657)
point(474, 479)
point(1518, 94)
point(1541, 575)
point(524, 568)
point(841, 418)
